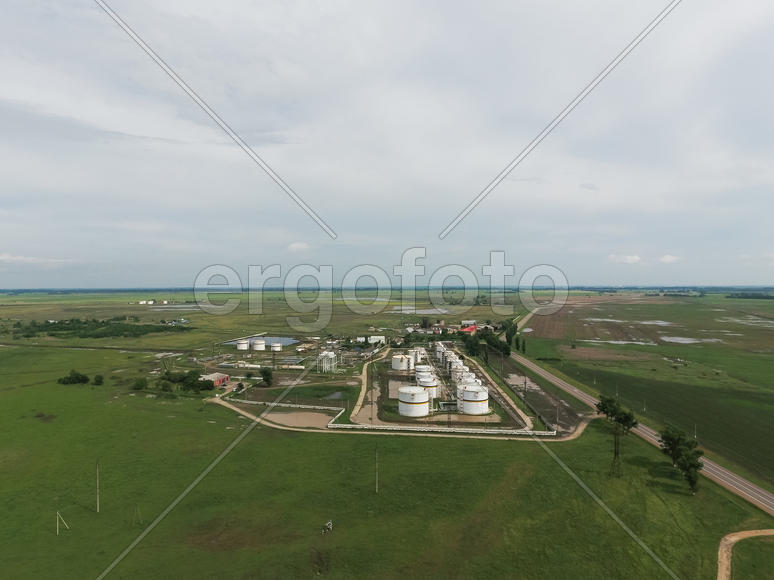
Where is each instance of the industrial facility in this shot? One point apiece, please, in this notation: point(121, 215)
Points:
point(465, 392)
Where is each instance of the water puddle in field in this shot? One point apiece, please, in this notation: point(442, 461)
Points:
point(687, 340)
point(749, 320)
point(526, 330)
point(655, 322)
point(600, 341)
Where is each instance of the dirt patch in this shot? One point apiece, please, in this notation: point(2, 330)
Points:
point(598, 353)
point(45, 418)
point(300, 419)
point(222, 534)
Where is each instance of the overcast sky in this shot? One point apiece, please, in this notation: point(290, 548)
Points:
point(387, 118)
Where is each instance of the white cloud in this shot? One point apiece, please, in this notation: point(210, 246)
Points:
point(669, 259)
point(298, 247)
point(7, 258)
point(624, 259)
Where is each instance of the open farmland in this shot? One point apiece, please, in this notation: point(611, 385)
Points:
point(259, 512)
point(693, 362)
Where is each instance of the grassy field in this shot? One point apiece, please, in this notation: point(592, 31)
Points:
point(445, 508)
point(721, 385)
point(752, 559)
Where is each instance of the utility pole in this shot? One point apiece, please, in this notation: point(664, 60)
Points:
point(58, 519)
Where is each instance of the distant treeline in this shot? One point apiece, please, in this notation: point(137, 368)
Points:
point(754, 295)
point(118, 326)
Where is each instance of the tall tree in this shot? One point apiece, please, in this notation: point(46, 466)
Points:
point(671, 442)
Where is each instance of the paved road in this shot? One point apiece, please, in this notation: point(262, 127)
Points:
point(725, 477)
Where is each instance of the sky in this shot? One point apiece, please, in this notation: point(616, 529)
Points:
point(387, 118)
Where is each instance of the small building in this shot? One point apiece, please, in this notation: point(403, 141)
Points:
point(360, 339)
point(374, 339)
point(218, 379)
point(469, 329)
point(465, 323)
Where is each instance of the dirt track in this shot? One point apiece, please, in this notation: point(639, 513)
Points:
point(727, 545)
point(264, 421)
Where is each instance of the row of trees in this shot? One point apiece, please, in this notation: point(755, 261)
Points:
point(118, 326)
point(674, 443)
point(76, 378)
point(684, 453)
point(512, 337)
point(187, 381)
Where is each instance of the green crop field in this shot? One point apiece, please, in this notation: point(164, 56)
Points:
point(720, 385)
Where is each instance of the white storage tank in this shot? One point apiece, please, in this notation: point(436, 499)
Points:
point(276, 346)
point(413, 402)
point(423, 368)
point(243, 344)
point(399, 362)
point(259, 344)
point(475, 400)
point(430, 384)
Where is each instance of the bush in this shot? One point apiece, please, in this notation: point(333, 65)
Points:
point(140, 384)
point(98, 379)
point(73, 378)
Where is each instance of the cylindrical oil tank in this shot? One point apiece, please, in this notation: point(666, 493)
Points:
point(426, 380)
point(410, 363)
point(243, 344)
point(475, 400)
point(413, 402)
point(423, 368)
point(276, 346)
point(259, 344)
point(399, 362)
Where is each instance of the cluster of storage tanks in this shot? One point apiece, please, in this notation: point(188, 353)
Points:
point(407, 362)
point(256, 344)
point(472, 395)
point(416, 401)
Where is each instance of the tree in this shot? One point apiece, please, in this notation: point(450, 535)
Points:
point(98, 379)
point(267, 375)
point(623, 421)
point(608, 407)
point(684, 453)
point(671, 442)
point(523, 346)
point(140, 383)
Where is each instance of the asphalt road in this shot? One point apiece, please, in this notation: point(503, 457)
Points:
point(725, 477)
